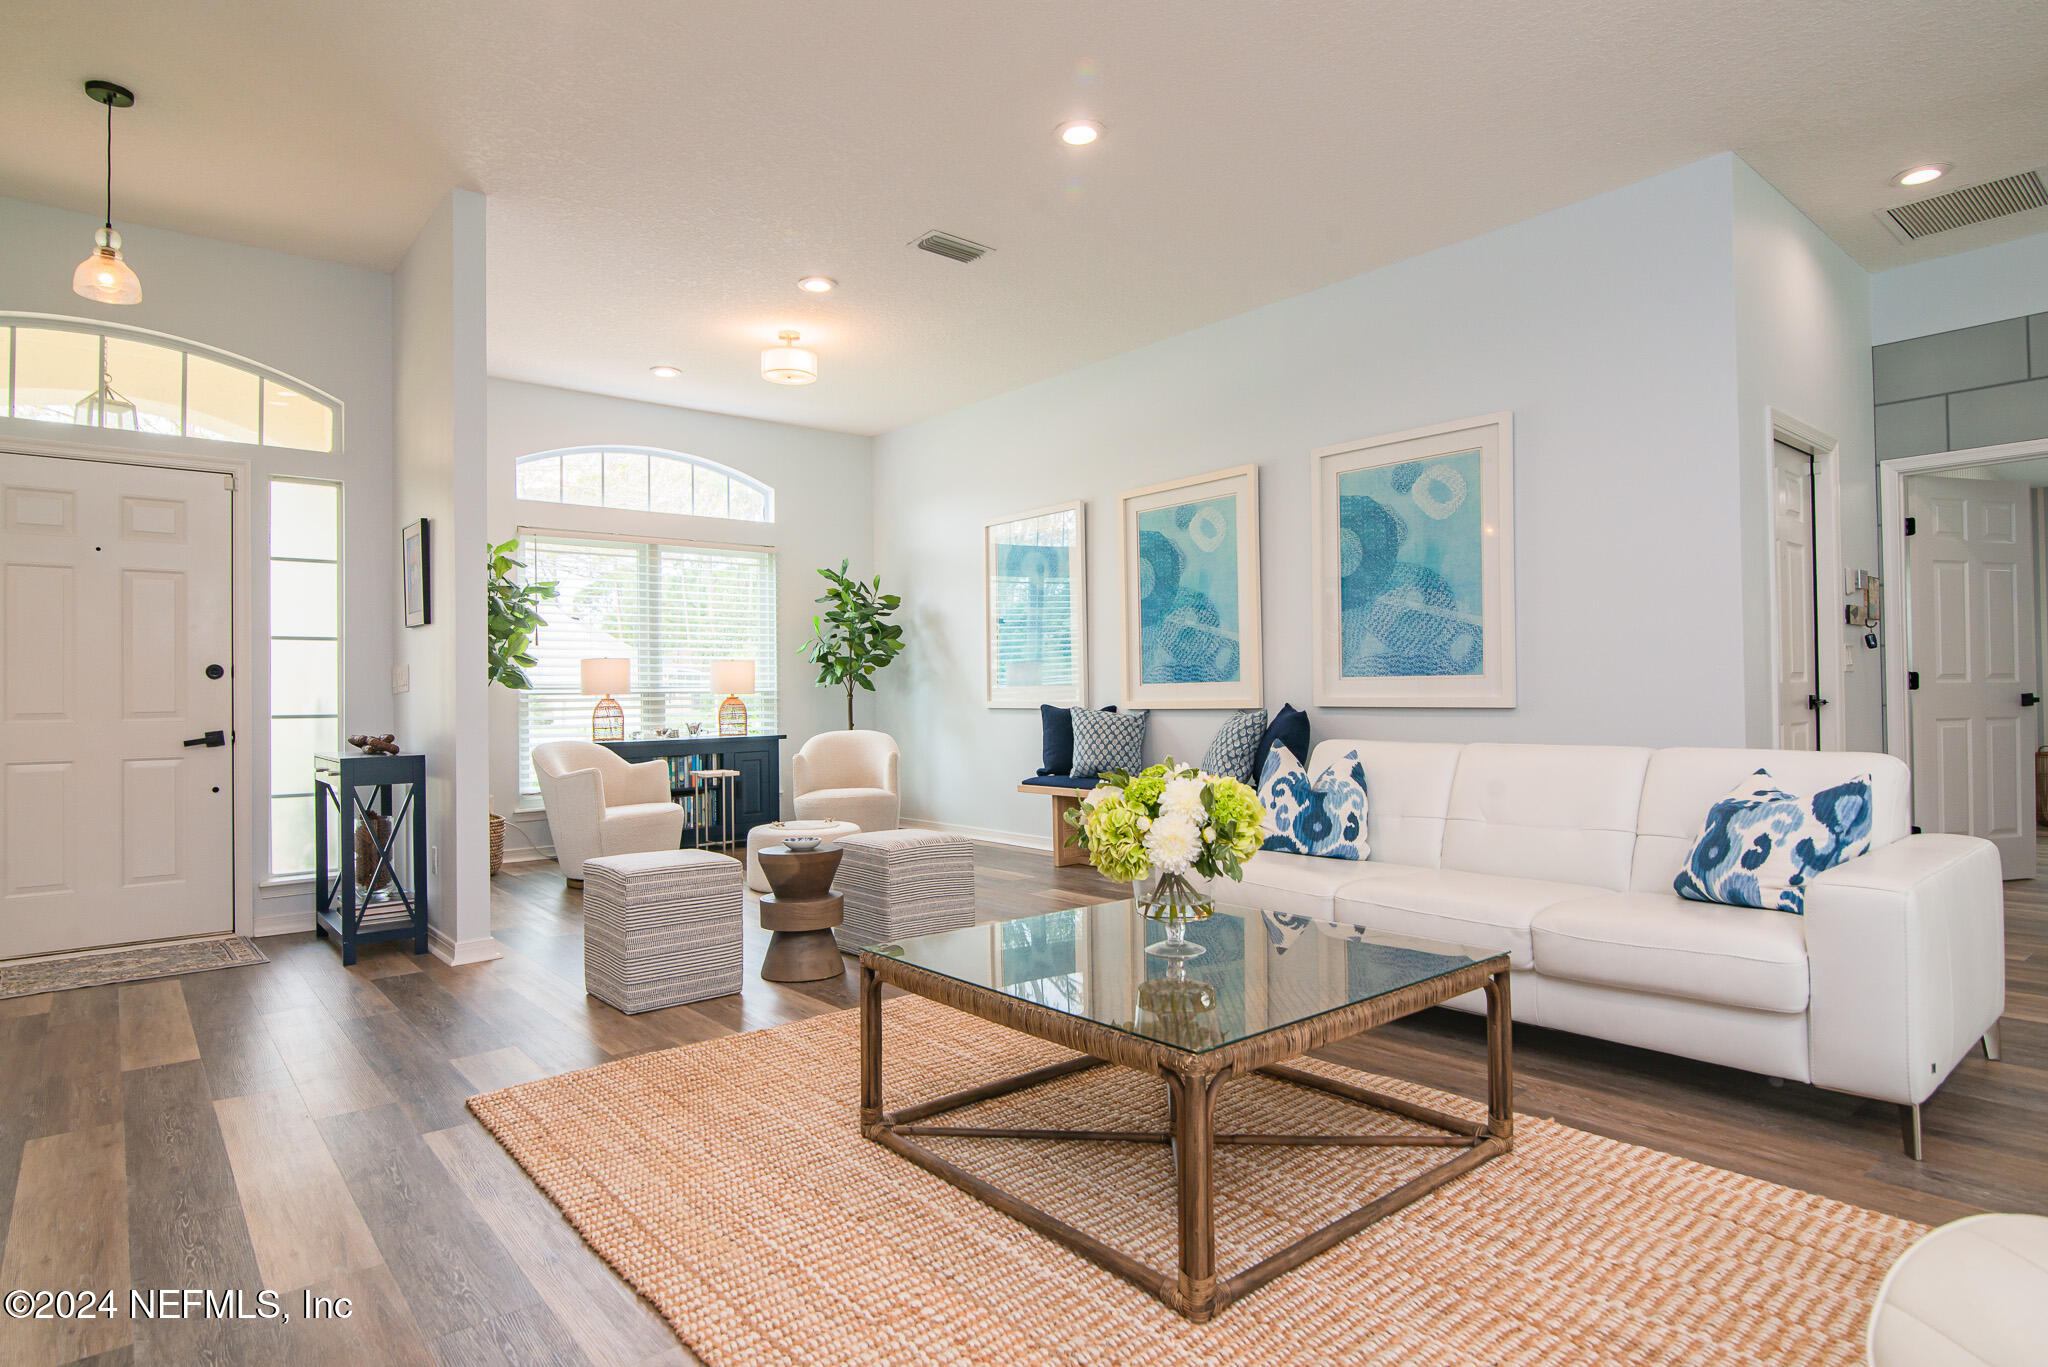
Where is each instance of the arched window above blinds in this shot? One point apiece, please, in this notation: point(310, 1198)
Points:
point(91, 374)
point(643, 479)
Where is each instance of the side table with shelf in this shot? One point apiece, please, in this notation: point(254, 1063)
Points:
point(388, 900)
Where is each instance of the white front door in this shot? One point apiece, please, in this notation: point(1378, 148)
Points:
point(1793, 547)
point(118, 583)
point(1970, 646)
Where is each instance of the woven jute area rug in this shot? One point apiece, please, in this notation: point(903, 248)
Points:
point(104, 966)
point(728, 1182)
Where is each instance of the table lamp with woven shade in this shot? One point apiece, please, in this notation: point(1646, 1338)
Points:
point(607, 676)
point(732, 678)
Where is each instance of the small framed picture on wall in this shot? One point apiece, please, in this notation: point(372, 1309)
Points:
point(1035, 601)
point(415, 568)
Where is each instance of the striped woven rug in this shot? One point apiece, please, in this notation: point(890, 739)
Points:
point(727, 1182)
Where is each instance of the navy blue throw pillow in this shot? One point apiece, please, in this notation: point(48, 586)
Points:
point(1290, 727)
point(1056, 753)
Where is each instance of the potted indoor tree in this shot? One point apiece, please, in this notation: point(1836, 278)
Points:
point(513, 619)
point(853, 637)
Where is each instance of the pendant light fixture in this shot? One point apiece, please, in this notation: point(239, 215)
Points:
point(104, 277)
point(105, 406)
point(789, 363)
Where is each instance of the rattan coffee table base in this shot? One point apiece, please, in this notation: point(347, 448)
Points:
point(1192, 1080)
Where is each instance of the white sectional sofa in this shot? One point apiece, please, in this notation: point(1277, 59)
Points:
point(1564, 856)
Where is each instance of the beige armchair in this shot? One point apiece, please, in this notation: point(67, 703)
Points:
point(599, 804)
point(848, 776)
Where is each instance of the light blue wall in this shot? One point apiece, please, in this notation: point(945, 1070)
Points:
point(1608, 328)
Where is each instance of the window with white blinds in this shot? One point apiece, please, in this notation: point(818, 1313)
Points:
point(669, 607)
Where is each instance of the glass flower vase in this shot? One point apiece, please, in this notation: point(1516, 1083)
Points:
point(1173, 901)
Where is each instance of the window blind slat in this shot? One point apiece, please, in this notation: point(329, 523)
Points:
point(670, 609)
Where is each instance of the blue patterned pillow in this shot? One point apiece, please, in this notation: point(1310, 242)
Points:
point(1324, 817)
point(1761, 844)
point(1107, 740)
point(1236, 747)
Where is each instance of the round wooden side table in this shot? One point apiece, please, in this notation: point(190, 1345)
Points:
point(800, 913)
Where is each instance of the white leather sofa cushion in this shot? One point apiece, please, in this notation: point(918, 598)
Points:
point(1659, 942)
point(1682, 784)
point(1973, 1293)
point(1297, 884)
point(1561, 812)
point(1474, 910)
point(1407, 794)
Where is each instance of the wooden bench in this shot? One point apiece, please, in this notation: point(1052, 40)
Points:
point(1064, 800)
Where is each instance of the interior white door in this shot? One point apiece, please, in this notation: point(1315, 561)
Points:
point(1970, 645)
point(1792, 547)
point(118, 584)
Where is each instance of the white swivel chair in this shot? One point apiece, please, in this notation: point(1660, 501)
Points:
point(598, 804)
point(848, 776)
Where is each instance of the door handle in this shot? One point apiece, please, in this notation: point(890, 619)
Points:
point(2029, 699)
point(209, 740)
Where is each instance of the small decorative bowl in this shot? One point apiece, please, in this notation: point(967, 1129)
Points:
point(803, 844)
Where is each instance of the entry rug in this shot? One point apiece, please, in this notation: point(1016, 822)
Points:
point(104, 966)
point(727, 1181)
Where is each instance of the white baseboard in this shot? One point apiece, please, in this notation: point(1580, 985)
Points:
point(543, 855)
point(456, 953)
point(284, 922)
point(1018, 838)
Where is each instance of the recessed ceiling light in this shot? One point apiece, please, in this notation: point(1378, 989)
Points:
point(667, 372)
point(1921, 175)
point(1080, 132)
point(816, 284)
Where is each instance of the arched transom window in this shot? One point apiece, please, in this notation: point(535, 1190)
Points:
point(88, 374)
point(643, 479)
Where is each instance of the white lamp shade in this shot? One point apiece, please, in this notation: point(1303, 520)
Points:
point(605, 676)
point(104, 276)
point(789, 365)
point(732, 676)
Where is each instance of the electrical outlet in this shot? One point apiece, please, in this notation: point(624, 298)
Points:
point(401, 678)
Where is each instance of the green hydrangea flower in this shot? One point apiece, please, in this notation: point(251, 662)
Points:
point(1115, 844)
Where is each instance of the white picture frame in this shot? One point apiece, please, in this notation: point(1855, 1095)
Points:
point(1232, 514)
point(1002, 692)
point(1433, 599)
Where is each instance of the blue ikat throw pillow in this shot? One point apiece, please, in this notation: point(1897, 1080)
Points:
point(1761, 845)
point(1323, 816)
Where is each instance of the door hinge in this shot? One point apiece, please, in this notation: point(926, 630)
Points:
point(1912, 678)
point(1912, 526)
point(228, 482)
point(2029, 699)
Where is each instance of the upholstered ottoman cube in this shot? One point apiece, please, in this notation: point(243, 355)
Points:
point(661, 928)
point(898, 884)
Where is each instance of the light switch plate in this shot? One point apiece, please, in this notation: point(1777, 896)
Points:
point(401, 678)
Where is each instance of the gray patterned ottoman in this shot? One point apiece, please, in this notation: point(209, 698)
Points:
point(898, 884)
point(661, 928)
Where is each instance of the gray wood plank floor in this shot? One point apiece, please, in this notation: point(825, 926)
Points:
point(300, 1127)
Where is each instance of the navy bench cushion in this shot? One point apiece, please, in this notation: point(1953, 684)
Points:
point(1060, 781)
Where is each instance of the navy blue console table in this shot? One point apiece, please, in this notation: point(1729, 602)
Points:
point(757, 795)
point(390, 903)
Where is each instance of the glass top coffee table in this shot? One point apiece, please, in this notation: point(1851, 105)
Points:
point(1268, 988)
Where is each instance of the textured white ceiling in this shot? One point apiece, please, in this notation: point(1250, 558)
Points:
point(660, 173)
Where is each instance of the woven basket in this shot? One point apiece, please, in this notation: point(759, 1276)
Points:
point(497, 842)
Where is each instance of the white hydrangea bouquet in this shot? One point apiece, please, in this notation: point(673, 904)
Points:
point(1170, 820)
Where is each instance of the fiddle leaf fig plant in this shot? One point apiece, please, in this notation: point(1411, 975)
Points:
point(514, 616)
point(853, 637)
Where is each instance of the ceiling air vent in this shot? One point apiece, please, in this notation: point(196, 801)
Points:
point(1971, 204)
point(951, 247)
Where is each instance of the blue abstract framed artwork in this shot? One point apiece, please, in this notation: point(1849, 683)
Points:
point(1190, 592)
point(1035, 594)
point(1412, 540)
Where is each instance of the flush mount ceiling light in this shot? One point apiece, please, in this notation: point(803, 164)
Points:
point(666, 372)
point(789, 363)
point(1921, 175)
point(816, 284)
point(1080, 132)
point(104, 277)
